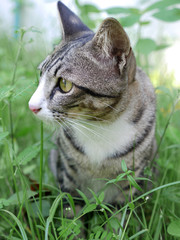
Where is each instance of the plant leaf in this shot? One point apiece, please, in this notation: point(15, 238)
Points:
point(162, 46)
point(27, 155)
point(94, 195)
point(146, 45)
point(83, 196)
point(110, 236)
point(101, 197)
point(118, 10)
point(133, 182)
point(89, 8)
point(138, 234)
point(118, 178)
point(3, 135)
point(131, 205)
point(71, 202)
point(45, 208)
point(130, 20)
point(115, 223)
point(90, 208)
point(106, 207)
point(104, 235)
point(162, 4)
point(13, 199)
point(124, 166)
point(97, 235)
point(168, 15)
point(4, 202)
point(174, 228)
point(143, 179)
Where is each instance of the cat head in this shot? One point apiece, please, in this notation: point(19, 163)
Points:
point(87, 74)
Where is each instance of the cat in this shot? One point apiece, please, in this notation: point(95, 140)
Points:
point(105, 104)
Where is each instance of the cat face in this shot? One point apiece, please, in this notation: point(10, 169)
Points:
point(87, 74)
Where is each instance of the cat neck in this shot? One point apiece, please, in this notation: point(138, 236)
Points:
point(100, 141)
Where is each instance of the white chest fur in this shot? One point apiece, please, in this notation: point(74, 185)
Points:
point(101, 141)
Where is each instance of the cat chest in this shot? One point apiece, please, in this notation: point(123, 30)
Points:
point(94, 148)
point(101, 156)
point(101, 144)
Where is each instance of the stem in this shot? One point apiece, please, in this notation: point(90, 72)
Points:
point(12, 83)
point(131, 192)
point(154, 211)
point(127, 222)
point(11, 125)
point(16, 61)
point(106, 216)
point(11, 117)
point(41, 170)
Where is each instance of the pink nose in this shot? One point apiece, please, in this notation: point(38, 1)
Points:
point(34, 109)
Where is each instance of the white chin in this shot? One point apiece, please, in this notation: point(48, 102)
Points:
point(45, 115)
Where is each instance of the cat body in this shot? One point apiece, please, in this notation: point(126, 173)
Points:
point(106, 105)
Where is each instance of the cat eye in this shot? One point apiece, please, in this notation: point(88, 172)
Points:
point(65, 85)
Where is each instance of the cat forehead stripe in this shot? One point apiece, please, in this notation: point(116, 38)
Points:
point(59, 55)
point(67, 48)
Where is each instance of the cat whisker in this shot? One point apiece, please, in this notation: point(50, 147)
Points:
point(62, 119)
point(101, 136)
point(61, 122)
point(87, 115)
point(111, 107)
point(72, 124)
point(87, 121)
point(99, 126)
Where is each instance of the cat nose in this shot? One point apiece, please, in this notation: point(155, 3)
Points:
point(34, 109)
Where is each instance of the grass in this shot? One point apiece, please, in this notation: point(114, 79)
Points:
point(31, 203)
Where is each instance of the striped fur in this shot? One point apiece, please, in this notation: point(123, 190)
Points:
point(107, 117)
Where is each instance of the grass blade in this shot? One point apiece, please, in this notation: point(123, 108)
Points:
point(122, 222)
point(138, 234)
point(52, 212)
point(24, 236)
point(41, 169)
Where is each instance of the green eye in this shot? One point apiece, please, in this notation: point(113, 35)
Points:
point(65, 85)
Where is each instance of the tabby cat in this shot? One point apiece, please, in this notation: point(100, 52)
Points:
point(90, 85)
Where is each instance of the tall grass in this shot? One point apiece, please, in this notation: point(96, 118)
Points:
point(31, 204)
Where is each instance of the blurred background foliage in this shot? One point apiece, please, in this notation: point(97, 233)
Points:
point(20, 53)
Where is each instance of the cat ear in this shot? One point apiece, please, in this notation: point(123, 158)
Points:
point(71, 24)
point(112, 39)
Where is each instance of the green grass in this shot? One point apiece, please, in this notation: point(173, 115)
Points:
point(31, 203)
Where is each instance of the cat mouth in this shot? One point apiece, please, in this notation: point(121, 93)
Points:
point(35, 110)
